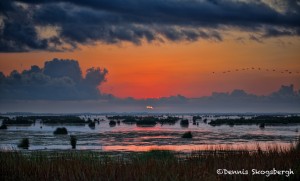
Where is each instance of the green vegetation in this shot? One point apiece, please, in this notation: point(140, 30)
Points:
point(24, 143)
point(153, 165)
point(187, 135)
point(259, 120)
point(73, 141)
point(62, 130)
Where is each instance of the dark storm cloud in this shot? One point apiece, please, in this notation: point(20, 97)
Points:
point(114, 21)
point(57, 80)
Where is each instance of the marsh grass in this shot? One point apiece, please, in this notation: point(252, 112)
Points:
point(152, 165)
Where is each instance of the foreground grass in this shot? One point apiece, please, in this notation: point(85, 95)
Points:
point(152, 165)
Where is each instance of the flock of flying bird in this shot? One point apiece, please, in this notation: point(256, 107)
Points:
point(259, 69)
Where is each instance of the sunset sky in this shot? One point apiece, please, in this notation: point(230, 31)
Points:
point(156, 48)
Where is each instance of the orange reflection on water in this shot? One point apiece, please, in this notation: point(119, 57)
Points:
point(189, 148)
point(146, 128)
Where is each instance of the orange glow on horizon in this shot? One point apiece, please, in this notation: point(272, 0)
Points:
point(169, 69)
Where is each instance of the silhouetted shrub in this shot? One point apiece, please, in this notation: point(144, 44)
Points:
point(169, 120)
point(184, 122)
point(62, 130)
point(63, 120)
point(129, 120)
point(92, 125)
point(262, 125)
point(24, 143)
point(112, 123)
point(147, 121)
point(195, 118)
point(73, 141)
point(18, 121)
point(3, 126)
point(187, 135)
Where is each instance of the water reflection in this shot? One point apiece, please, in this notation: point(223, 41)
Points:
point(110, 135)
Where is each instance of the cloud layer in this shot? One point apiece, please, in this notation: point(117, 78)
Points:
point(60, 25)
point(60, 87)
point(57, 80)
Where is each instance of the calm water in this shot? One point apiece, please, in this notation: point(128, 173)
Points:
point(126, 137)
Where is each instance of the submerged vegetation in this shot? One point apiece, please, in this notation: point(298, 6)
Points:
point(151, 165)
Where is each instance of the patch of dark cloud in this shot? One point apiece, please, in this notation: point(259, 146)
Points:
point(115, 21)
point(57, 80)
point(285, 99)
point(275, 32)
point(255, 38)
point(63, 68)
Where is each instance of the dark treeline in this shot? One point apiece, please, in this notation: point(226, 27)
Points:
point(266, 120)
point(28, 120)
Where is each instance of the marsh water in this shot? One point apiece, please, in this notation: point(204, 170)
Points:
point(130, 137)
